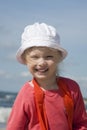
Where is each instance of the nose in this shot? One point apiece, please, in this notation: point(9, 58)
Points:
point(42, 62)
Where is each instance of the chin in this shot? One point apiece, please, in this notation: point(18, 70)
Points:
point(41, 77)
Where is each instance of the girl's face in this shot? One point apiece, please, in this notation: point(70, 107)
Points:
point(42, 62)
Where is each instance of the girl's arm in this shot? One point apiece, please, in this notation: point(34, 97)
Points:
point(80, 115)
point(19, 117)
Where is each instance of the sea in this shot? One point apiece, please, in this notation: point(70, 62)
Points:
point(6, 102)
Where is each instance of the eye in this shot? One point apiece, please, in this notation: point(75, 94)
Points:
point(49, 57)
point(34, 57)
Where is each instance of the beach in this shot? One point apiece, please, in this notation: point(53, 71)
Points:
point(6, 102)
point(2, 126)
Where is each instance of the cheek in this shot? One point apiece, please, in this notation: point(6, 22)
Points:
point(52, 65)
point(30, 68)
point(31, 65)
point(56, 62)
point(53, 62)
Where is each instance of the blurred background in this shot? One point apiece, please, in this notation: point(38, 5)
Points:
point(67, 16)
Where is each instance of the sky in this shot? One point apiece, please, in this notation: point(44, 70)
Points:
point(69, 17)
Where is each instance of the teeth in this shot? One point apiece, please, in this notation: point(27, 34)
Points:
point(42, 70)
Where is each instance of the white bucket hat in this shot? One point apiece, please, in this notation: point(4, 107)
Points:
point(42, 35)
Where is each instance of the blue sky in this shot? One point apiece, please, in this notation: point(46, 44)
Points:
point(70, 19)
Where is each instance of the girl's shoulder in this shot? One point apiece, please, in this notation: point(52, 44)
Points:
point(73, 88)
point(71, 84)
point(26, 90)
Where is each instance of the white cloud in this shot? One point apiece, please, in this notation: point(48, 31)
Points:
point(2, 72)
point(5, 74)
point(25, 74)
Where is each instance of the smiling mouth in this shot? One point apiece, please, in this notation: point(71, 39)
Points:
point(41, 70)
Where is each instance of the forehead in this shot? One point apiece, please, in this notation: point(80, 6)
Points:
point(44, 50)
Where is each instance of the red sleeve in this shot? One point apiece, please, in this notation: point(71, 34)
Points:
point(19, 116)
point(80, 115)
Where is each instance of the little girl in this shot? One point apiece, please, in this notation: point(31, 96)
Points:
point(47, 102)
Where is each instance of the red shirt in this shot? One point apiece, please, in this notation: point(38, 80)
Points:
point(24, 114)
